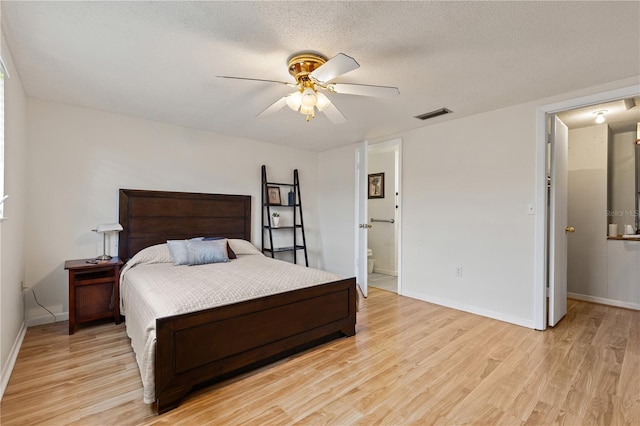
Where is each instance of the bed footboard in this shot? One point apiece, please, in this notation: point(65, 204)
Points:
point(217, 343)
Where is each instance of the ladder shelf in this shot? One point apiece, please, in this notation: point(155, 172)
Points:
point(272, 205)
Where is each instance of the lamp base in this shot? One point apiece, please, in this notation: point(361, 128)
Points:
point(104, 257)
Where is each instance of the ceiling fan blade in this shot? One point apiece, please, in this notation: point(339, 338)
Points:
point(333, 114)
point(273, 108)
point(258, 79)
point(364, 90)
point(338, 65)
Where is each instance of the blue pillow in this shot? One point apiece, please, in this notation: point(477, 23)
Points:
point(230, 253)
point(204, 252)
point(178, 250)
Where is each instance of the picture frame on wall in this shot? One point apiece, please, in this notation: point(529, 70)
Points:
point(273, 195)
point(375, 185)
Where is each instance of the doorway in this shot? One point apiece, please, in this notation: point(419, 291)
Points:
point(379, 213)
point(382, 206)
point(548, 241)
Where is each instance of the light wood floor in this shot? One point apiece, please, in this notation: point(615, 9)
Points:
point(410, 362)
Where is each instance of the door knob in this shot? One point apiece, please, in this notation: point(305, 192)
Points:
point(570, 229)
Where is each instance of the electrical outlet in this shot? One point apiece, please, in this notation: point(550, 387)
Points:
point(459, 271)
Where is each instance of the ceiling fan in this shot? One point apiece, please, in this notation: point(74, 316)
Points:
point(312, 73)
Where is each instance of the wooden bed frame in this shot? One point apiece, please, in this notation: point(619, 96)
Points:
point(202, 346)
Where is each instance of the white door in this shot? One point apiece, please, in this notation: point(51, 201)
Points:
point(361, 217)
point(558, 221)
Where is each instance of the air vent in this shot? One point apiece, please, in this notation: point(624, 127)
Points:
point(432, 114)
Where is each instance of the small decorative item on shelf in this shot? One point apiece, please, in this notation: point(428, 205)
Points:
point(292, 197)
point(275, 219)
point(273, 194)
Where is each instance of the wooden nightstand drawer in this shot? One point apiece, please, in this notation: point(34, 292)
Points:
point(93, 290)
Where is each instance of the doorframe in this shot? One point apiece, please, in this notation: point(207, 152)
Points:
point(398, 170)
point(541, 222)
point(361, 191)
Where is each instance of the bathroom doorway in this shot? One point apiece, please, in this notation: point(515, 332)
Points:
point(383, 207)
point(587, 108)
point(602, 202)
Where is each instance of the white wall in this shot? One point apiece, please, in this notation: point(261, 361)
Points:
point(466, 187)
point(79, 158)
point(587, 210)
point(12, 253)
point(336, 209)
point(381, 235)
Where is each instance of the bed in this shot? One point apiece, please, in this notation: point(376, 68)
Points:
point(203, 346)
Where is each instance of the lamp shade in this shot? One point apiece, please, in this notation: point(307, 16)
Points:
point(306, 110)
point(109, 227)
point(309, 97)
point(294, 100)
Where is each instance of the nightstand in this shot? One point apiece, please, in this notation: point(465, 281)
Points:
point(94, 290)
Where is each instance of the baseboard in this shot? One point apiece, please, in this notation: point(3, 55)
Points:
point(523, 322)
point(47, 319)
point(604, 301)
point(7, 369)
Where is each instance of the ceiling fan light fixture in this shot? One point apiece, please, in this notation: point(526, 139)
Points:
point(309, 98)
point(306, 110)
point(294, 100)
point(309, 111)
point(312, 72)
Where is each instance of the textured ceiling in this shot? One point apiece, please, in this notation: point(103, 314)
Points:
point(158, 60)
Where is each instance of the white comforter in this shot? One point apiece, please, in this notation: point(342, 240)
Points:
point(152, 287)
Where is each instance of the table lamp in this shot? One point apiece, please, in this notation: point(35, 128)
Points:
point(103, 229)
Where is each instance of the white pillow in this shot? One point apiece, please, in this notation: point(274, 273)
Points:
point(152, 254)
point(243, 247)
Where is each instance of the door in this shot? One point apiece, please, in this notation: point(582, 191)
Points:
point(558, 227)
point(361, 216)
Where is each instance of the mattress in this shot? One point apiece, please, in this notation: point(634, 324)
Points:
point(152, 287)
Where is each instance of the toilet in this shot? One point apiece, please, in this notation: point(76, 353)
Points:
point(370, 261)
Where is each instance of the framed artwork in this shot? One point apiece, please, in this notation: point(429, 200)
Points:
point(376, 185)
point(273, 195)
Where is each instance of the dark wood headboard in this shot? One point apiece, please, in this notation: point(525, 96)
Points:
point(153, 217)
